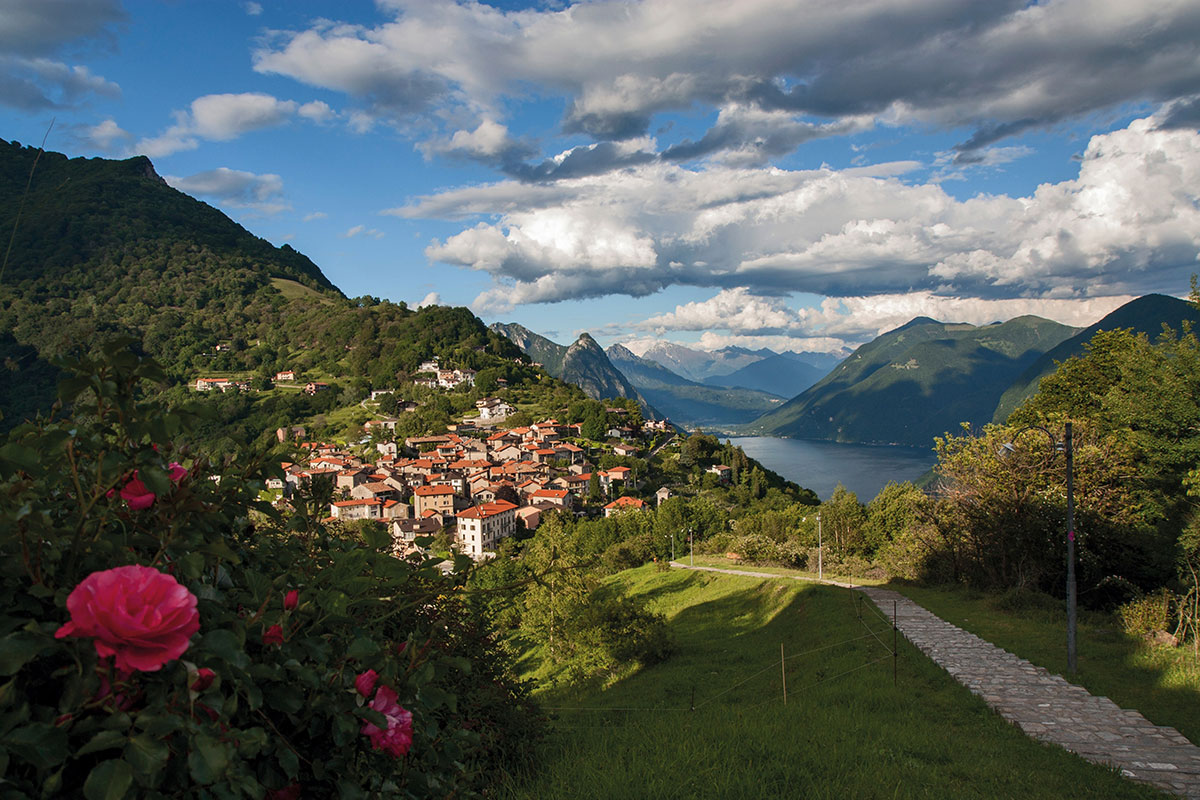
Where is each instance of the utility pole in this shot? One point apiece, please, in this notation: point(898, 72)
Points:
point(820, 552)
point(672, 545)
point(691, 550)
point(1070, 550)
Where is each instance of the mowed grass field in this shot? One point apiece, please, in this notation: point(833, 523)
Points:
point(847, 731)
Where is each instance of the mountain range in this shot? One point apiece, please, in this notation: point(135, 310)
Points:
point(582, 363)
point(916, 382)
point(688, 402)
point(783, 374)
point(1146, 314)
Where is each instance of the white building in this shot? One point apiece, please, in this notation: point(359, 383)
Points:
point(481, 527)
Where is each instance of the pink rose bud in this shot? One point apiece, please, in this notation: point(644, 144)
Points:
point(204, 679)
point(400, 648)
point(273, 635)
point(365, 682)
point(291, 600)
point(177, 472)
point(136, 494)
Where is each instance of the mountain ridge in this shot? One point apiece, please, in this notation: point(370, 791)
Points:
point(1146, 314)
point(688, 402)
point(582, 363)
point(916, 382)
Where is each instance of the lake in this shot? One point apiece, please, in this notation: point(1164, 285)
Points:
point(821, 466)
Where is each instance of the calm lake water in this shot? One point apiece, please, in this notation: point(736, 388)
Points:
point(821, 466)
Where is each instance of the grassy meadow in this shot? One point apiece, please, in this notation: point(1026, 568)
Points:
point(846, 731)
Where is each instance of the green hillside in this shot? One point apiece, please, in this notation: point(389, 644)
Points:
point(1144, 315)
point(105, 248)
point(687, 402)
point(916, 382)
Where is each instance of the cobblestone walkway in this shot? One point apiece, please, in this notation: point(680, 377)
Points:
point(1045, 706)
point(1048, 708)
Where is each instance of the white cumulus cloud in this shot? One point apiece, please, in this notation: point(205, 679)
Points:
point(235, 188)
point(223, 117)
point(1128, 224)
point(996, 68)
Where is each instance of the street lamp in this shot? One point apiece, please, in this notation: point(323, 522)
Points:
point(1066, 448)
point(820, 552)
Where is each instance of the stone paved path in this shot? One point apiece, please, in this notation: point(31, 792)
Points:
point(1045, 706)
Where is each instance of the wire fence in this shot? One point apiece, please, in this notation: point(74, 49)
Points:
point(778, 693)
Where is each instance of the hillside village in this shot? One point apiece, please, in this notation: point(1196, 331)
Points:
point(474, 486)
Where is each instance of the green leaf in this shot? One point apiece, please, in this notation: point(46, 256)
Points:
point(108, 780)
point(42, 745)
point(208, 760)
point(19, 648)
point(147, 754)
point(350, 790)
point(104, 740)
point(70, 388)
point(19, 456)
point(289, 762)
point(221, 550)
point(377, 538)
point(435, 697)
point(226, 646)
point(288, 699)
point(362, 648)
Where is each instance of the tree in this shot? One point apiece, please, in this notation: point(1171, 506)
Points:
point(1000, 519)
point(895, 511)
point(842, 520)
point(561, 586)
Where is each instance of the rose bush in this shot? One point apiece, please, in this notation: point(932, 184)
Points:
point(113, 683)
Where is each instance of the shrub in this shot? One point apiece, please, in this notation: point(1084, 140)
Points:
point(279, 618)
point(1146, 614)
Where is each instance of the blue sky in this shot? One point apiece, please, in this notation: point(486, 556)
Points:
point(790, 173)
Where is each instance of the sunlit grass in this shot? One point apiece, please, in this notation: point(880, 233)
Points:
point(847, 730)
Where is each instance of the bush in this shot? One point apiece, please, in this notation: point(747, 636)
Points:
point(1147, 614)
point(615, 633)
point(289, 657)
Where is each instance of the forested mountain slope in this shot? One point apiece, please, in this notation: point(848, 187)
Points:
point(916, 382)
point(1146, 314)
point(106, 248)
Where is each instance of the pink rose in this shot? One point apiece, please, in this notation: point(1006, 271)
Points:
point(204, 679)
point(176, 471)
point(273, 635)
point(137, 614)
point(365, 682)
point(291, 600)
point(136, 494)
point(397, 738)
